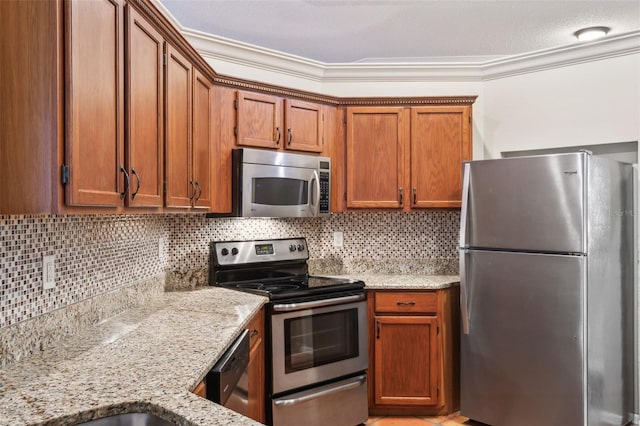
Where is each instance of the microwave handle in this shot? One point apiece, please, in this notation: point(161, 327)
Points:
point(316, 199)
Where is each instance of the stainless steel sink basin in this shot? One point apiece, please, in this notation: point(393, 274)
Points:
point(130, 419)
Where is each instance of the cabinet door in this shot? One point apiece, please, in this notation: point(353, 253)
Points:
point(94, 102)
point(259, 120)
point(440, 142)
point(376, 139)
point(180, 189)
point(406, 360)
point(256, 391)
point(203, 147)
point(224, 141)
point(303, 124)
point(144, 97)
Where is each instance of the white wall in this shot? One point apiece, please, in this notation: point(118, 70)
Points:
point(585, 104)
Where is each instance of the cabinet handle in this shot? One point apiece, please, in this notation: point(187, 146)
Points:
point(415, 196)
point(400, 195)
point(290, 136)
point(405, 303)
point(278, 139)
point(378, 329)
point(133, 171)
point(254, 333)
point(199, 188)
point(126, 182)
point(193, 187)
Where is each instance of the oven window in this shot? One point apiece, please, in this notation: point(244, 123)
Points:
point(280, 191)
point(320, 339)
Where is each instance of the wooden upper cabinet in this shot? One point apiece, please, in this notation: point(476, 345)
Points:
point(144, 112)
point(376, 145)
point(203, 147)
point(259, 120)
point(94, 103)
point(406, 158)
point(303, 124)
point(440, 142)
point(180, 188)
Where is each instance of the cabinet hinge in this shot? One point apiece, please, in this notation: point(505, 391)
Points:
point(164, 59)
point(437, 329)
point(235, 103)
point(437, 391)
point(345, 196)
point(65, 174)
point(235, 131)
point(164, 187)
point(469, 119)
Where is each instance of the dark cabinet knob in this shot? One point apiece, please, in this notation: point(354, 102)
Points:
point(224, 251)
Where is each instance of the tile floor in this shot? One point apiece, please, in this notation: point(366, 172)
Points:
point(454, 419)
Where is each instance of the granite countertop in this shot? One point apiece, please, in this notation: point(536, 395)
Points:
point(379, 281)
point(146, 359)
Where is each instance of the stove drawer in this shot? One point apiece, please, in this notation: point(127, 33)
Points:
point(406, 302)
point(340, 403)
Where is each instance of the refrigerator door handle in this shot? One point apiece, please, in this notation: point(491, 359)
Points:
point(465, 205)
point(464, 293)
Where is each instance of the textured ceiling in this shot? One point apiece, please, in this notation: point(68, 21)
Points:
point(343, 31)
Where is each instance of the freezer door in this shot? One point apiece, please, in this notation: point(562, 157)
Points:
point(528, 203)
point(522, 361)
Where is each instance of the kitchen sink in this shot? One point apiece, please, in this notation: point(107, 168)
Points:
point(130, 419)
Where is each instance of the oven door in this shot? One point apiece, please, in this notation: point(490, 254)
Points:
point(279, 191)
point(317, 341)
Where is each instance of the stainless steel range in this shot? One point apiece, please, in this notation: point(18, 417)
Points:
point(316, 330)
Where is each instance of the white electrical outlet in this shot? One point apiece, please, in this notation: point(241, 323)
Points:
point(338, 239)
point(48, 272)
point(162, 249)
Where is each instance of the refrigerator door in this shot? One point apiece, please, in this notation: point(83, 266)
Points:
point(522, 361)
point(526, 203)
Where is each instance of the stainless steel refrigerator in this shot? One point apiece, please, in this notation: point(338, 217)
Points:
point(546, 270)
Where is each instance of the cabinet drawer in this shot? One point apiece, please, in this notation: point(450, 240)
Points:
point(256, 329)
point(409, 302)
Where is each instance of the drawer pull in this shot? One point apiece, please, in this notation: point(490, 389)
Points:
point(405, 303)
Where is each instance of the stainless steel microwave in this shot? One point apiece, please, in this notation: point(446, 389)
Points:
point(280, 184)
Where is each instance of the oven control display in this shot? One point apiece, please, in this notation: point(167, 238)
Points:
point(264, 249)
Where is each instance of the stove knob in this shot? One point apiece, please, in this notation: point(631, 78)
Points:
point(234, 251)
point(300, 247)
point(292, 247)
point(224, 251)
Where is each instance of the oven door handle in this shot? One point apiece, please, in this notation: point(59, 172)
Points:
point(357, 382)
point(288, 307)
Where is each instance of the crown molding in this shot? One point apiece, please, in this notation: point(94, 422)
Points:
point(563, 56)
point(219, 48)
point(215, 48)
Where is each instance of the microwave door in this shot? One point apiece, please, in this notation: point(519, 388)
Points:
point(315, 193)
point(276, 191)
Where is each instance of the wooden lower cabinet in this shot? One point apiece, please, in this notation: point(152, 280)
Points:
point(414, 365)
point(201, 389)
point(256, 391)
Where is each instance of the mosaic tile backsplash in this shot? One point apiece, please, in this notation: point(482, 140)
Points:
point(98, 254)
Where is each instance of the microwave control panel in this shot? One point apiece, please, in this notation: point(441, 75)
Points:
point(324, 192)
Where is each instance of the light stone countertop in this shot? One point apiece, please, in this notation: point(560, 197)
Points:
point(388, 281)
point(146, 359)
point(149, 358)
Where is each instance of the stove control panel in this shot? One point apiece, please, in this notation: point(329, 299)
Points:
point(256, 251)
